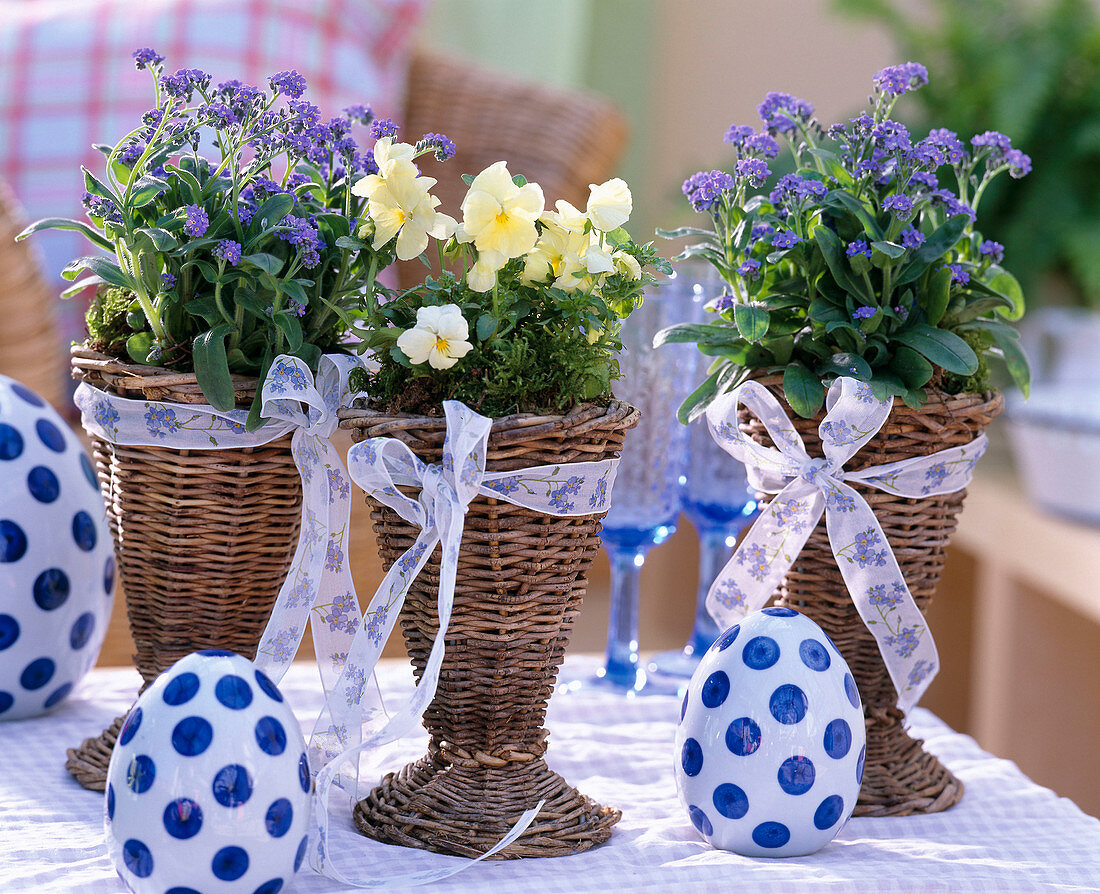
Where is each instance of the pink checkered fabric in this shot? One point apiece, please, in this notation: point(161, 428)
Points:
point(67, 79)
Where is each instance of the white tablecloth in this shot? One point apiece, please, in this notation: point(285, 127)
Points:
point(1007, 835)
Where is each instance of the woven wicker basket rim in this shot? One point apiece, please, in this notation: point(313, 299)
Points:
point(505, 430)
point(974, 402)
point(125, 378)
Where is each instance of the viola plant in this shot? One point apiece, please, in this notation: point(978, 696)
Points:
point(526, 311)
point(220, 264)
point(858, 263)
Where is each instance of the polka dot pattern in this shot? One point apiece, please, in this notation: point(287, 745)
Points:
point(232, 786)
point(760, 653)
point(788, 704)
point(230, 863)
point(182, 818)
point(771, 739)
point(691, 757)
point(814, 655)
point(233, 692)
point(181, 688)
point(54, 544)
point(270, 735)
point(13, 541)
point(715, 689)
point(192, 736)
point(43, 485)
point(796, 775)
point(50, 435)
point(210, 775)
point(51, 589)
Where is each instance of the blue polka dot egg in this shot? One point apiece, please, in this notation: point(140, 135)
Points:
point(771, 742)
point(208, 788)
point(57, 564)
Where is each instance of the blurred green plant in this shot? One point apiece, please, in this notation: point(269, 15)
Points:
point(1031, 69)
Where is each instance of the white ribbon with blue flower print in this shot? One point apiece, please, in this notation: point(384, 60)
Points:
point(381, 466)
point(805, 487)
point(292, 401)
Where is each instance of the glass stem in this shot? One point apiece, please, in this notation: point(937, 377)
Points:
point(621, 667)
point(713, 555)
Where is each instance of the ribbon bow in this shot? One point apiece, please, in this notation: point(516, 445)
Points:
point(381, 466)
point(805, 487)
point(292, 400)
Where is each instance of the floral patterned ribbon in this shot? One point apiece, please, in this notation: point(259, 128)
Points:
point(806, 487)
point(381, 466)
point(292, 401)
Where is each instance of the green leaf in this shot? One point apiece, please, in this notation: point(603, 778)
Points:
point(145, 190)
point(162, 239)
point(934, 299)
point(191, 183)
point(212, 367)
point(696, 403)
point(911, 367)
point(885, 254)
point(681, 232)
point(1004, 283)
point(845, 364)
point(61, 223)
point(486, 326)
point(1006, 338)
point(803, 390)
point(858, 208)
point(699, 333)
point(209, 271)
point(288, 323)
point(752, 322)
point(107, 270)
point(251, 303)
point(80, 285)
point(139, 345)
point(269, 263)
point(519, 180)
point(255, 420)
point(350, 243)
point(935, 247)
point(274, 210)
point(467, 179)
point(833, 252)
point(943, 348)
point(97, 187)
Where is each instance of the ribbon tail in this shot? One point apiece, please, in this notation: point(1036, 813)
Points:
point(336, 613)
point(299, 592)
point(882, 598)
point(766, 553)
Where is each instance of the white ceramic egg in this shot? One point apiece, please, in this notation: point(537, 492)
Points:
point(208, 789)
point(57, 562)
point(771, 742)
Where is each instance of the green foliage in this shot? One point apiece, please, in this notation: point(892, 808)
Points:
point(1031, 69)
point(535, 348)
point(859, 263)
point(108, 328)
point(222, 265)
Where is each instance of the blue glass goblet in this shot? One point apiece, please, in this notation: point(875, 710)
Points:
point(645, 501)
point(716, 497)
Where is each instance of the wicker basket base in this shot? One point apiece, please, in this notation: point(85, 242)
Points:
point(900, 778)
point(88, 763)
point(444, 806)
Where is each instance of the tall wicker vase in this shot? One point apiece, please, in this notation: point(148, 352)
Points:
point(204, 538)
point(899, 778)
point(521, 578)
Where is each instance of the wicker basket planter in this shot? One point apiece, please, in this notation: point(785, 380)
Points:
point(204, 538)
point(899, 778)
point(521, 579)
